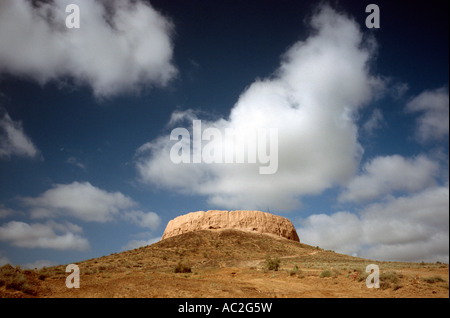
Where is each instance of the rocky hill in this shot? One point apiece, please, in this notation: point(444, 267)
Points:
point(251, 221)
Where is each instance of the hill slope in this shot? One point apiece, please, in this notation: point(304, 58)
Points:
point(233, 263)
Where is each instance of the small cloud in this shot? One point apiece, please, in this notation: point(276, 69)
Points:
point(13, 140)
point(143, 219)
point(433, 109)
point(375, 122)
point(399, 90)
point(4, 211)
point(74, 161)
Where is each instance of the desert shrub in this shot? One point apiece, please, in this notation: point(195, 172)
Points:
point(13, 278)
point(272, 264)
point(362, 276)
point(296, 270)
point(433, 279)
point(330, 273)
point(182, 268)
point(390, 279)
point(326, 273)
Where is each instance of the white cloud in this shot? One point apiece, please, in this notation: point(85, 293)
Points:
point(143, 219)
point(398, 90)
point(40, 235)
point(341, 231)
point(13, 140)
point(311, 99)
point(408, 228)
point(119, 47)
point(433, 107)
point(74, 161)
point(375, 122)
point(88, 203)
point(80, 200)
point(383, 175)
point(5, 211)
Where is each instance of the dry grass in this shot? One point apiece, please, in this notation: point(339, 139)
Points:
point(272, 264)
point(182, 268)
point(14, 278)
point(433, 279)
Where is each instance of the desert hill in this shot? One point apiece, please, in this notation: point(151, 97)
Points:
point(230, 263)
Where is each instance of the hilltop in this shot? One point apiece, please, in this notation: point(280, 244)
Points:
point(251, 221)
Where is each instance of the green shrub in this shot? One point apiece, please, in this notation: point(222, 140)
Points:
point(325, 273)
point(390, 279)
point(272, 264)
point(296, 270)
point(362, 276)
point(433, 279)
point(13, 278)
point(182, 268)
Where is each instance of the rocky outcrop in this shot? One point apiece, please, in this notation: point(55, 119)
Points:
point(252, 221)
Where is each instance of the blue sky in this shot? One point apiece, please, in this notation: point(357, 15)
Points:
point(86, 115)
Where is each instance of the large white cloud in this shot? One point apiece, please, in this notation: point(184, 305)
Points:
point(88, 203)
point(413, 227)
point(80, 200)
point(384, 175)
point(120, 45)
point(433, 109)
point(38, 235)
point(311, 99)
point(13, 140)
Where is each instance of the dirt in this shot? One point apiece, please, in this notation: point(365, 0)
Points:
point(230, 264)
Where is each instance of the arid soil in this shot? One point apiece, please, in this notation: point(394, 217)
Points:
point(233, 263)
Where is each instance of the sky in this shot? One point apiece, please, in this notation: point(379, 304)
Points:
point(90, 122)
